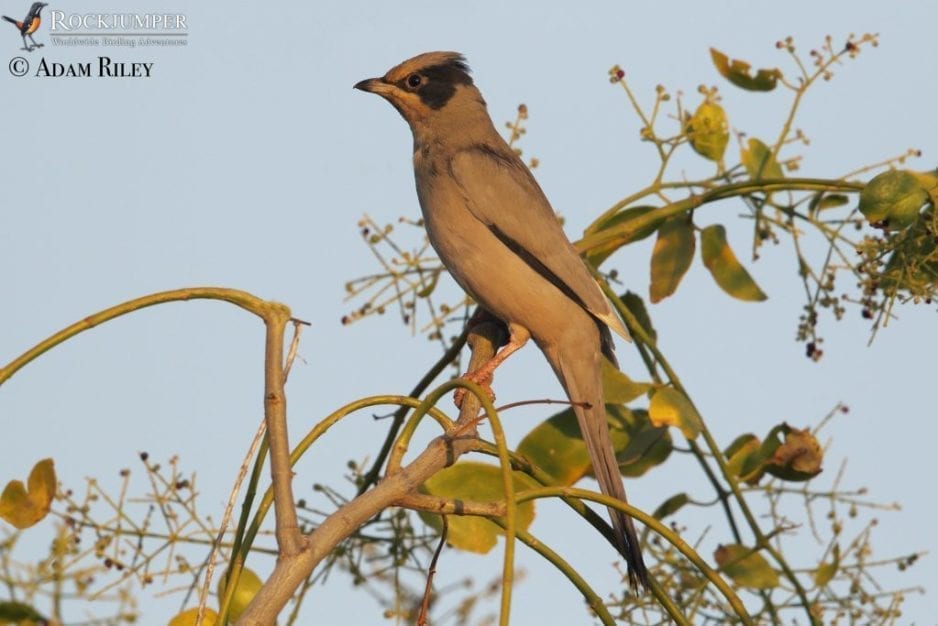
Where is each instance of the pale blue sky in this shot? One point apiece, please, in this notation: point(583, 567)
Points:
point(246, 160)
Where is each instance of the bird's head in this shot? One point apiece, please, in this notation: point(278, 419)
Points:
point(37, 7)
point(431, 90)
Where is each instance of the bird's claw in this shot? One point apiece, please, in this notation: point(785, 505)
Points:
point(483, 379)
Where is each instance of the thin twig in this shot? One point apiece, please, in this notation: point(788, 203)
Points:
point(425, 605)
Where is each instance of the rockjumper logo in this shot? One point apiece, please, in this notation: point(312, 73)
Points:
point(118, 29)
point(64, 22)
point(29, 25)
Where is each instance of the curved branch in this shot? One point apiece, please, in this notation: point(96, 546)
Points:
point(242, 299)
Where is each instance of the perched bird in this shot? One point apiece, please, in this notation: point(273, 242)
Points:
point(29, 25)
point(498, 236)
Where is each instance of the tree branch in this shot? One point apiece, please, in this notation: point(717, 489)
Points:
point(292, 569)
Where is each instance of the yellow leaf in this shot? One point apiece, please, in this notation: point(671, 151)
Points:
point(725, 268)
point(189, 617)
point(746, 567)
point(478, 482)
point(708, 131)
point(759, 162)
point(670, 407)
point(24, 507)
point(249, 584)
point(619, 388)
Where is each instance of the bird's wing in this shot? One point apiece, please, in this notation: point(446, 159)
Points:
point(501, 192)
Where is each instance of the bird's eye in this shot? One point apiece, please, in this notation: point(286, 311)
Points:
point(414, 80)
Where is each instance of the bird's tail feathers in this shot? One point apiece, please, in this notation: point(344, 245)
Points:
point(584, 385)
point(9, 19)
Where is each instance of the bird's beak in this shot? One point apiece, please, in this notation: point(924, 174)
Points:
point(372, 85)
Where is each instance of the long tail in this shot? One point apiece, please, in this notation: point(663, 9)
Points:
point(579, 369)
point(10, 20)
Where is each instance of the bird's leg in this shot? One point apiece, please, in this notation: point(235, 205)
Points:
point(26, 46)
point(483, 376)
point(38, 45)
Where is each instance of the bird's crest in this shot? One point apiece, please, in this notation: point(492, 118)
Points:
point(451, 63)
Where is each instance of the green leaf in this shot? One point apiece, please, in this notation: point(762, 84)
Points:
point(826, 571)
point(18, 613)
point(478, 482)
point(741, 460)
point(746, 567)
point(619, 388)
point(929, 182)
point(708, 131)
point(645, 445)
point(670, 407)
point(24, 508)
point(725, 268)
point(671, 257)
point(622, 224)
point(759, 162)
point(556, 445)
point(824, 201)
point(671, 506)
point(737, 72)
point(429, 287)
point(893, 198)
point(634, 303)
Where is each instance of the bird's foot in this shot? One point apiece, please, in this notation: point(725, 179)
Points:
point(27, 48)
point(39, 45)
point(481, 377)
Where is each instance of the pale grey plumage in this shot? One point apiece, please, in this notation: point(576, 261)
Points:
point(497, 234)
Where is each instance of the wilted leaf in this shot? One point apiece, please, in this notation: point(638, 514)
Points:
point(737, 72)
point(894, 198)
point(634, 303)
point(670, 407)
point(745, 567)
point(478, 482)
point(671, 257)
point(798, 458)
point(759, 162)
point(621, 224)
point(826, 571)
point(189, 617)
point(671, 506)
point(708, 131)
point(619, 388)
point(725, 268)
point(23, 508)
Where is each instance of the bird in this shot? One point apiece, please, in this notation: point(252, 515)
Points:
point(29, 25)
point(496, 233)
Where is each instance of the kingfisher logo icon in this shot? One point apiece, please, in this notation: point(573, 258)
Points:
point(29, 25)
